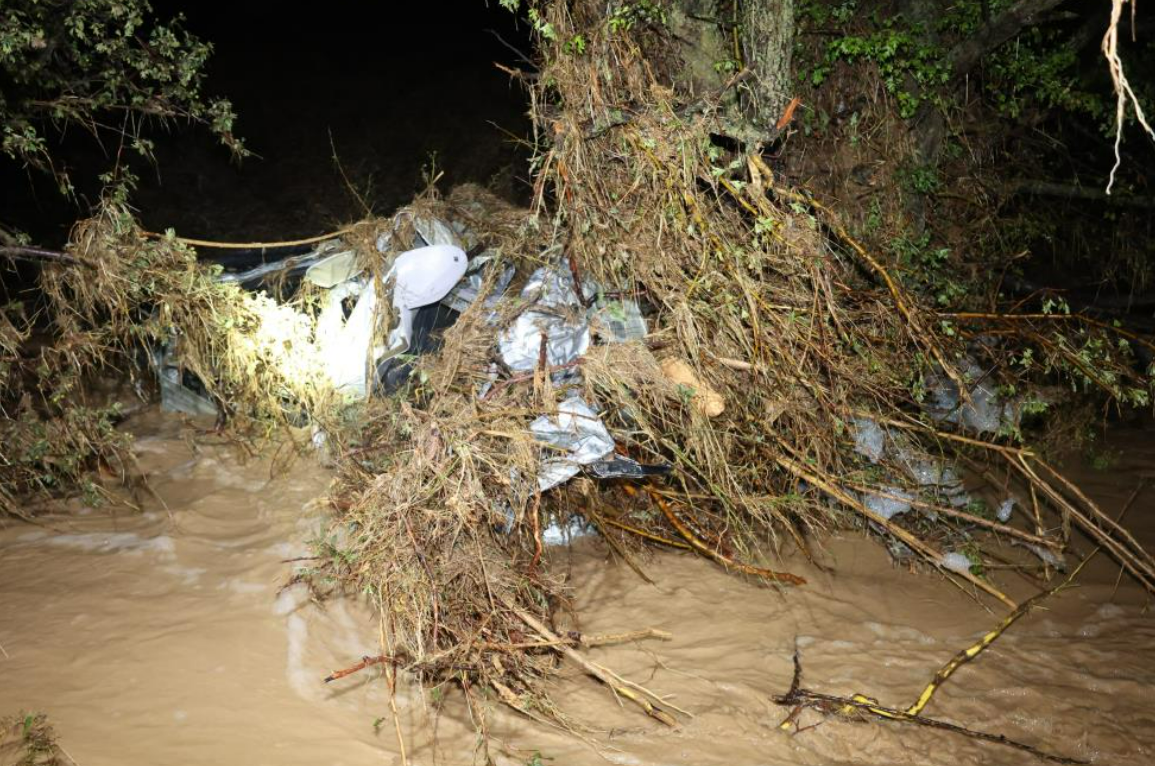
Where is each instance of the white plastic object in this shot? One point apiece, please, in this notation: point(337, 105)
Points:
point(345, 343)
point(421, 277)
point(333, 270)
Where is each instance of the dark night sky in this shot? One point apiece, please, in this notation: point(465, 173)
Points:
point(388, 83)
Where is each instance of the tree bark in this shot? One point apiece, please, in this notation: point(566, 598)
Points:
point(768, 44)
point(761, 34)
point(702, 28)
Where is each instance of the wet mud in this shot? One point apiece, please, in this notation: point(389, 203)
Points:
point(166, 636)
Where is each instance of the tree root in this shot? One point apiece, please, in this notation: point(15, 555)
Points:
point(698, 545)
point(861, 704)
point(831, 704)
point(636, 694)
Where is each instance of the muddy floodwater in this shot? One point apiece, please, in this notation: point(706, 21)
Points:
point(163, 637)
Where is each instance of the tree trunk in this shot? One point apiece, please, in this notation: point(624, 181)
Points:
point(768, 42)
point(718, 35)
point(702, 29)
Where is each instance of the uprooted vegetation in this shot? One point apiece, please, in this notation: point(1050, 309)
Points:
point(826, 365)
point(819, 391)
point(27, 739)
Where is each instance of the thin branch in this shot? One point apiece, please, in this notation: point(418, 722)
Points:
point(968, 53)
point(255, 245)
point(1072, 191)
point(598, 672)
point(26, 253)
point(516, 51)
point(1013, 317)
point(902, 302)
point(799, 698)
point(966, 655)
point(365, 662)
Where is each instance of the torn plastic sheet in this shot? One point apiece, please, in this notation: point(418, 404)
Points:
point(576, 429)
point(556, 533)
point(986, 412)
point(553, 287)
point(928, 472)
point(434, 231)
point(956, 562)
point(618, 321)
point(875, 443)
point(893, 502)
point(558, 313)
point(465, 293)
point(333, 270)
point(345, 342)
point(295, 264)
point(935, 477)
point(869, 439)
point(490, 380)
point(428, 230)
point(1048, 557)
point(520, 344)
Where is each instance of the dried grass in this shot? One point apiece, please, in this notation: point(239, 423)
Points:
point(29, 740)
point(760, 290)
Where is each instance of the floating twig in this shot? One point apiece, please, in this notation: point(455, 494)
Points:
point(366, 662)
point(968, 654)
point(836, 705)
point(831, 704)
point(636, 694)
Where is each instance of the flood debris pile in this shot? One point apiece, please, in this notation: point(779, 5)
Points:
point(671, 347)
point(828, 380)
point(692, 354)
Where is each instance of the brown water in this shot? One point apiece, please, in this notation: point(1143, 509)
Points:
point(160, 638)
